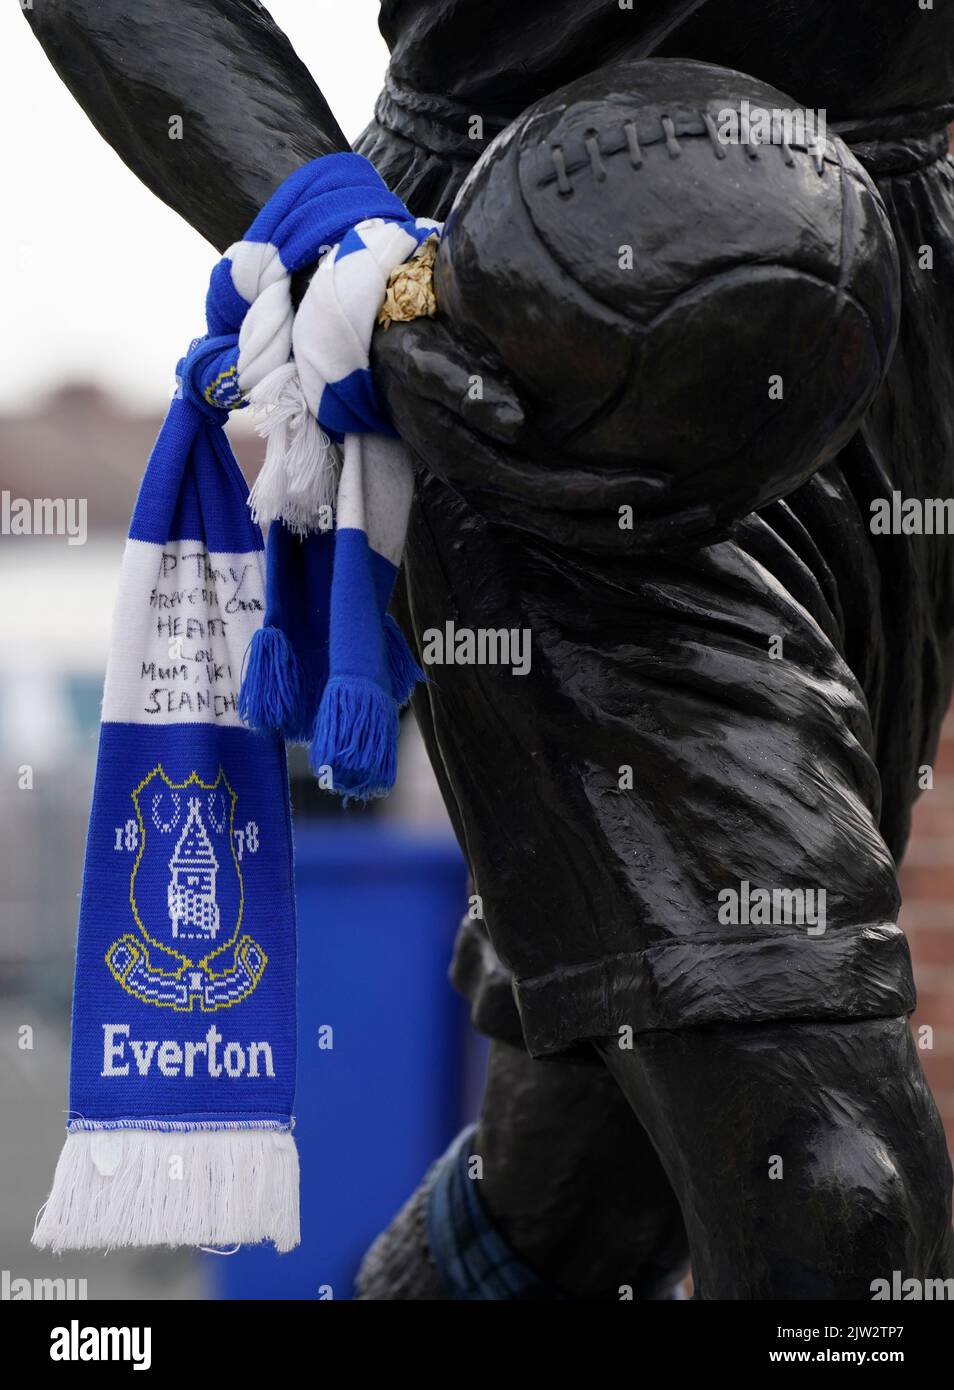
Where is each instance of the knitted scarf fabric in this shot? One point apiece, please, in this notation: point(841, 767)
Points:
point(330, 667)
point(184, 1017)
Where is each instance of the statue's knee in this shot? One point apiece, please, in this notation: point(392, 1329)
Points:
point(714, 317)
point(858, 1211)
point(852, 1217)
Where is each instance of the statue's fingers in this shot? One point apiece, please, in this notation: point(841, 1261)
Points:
point(439, 438)
point(424, 359)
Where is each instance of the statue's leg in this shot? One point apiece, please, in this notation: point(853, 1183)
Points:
point(782, 1087)
point(806, 1156)
point(570, 1180)
point(769, 1057)
point(571, 1200)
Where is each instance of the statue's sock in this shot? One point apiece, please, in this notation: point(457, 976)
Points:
point(444, 1244)
point(473, 1259)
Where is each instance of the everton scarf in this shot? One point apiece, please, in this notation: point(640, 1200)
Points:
point(330, 667)
point(184, 1016)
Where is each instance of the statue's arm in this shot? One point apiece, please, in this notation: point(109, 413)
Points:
point(250, 112)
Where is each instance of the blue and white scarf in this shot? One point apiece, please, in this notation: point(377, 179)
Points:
point(184, 1017)
point(330, 667)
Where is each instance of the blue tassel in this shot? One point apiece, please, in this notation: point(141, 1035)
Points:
point(356, 736)
point(405, 672)
point(271, 699)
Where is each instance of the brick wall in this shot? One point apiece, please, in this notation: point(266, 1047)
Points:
point(927, 882)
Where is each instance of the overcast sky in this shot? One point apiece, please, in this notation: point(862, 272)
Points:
point(79, 228)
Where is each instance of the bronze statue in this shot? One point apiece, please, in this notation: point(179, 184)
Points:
point(672, 378)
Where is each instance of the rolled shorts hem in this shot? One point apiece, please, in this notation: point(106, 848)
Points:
point(855, 973)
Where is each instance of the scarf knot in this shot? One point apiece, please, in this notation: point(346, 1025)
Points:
point(329, 666)
point(199, 379)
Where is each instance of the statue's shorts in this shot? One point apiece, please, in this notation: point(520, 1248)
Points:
point(685, 818)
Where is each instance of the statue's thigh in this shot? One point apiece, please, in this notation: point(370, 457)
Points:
point(759, 885)
point(672, 818)
point(705, 840)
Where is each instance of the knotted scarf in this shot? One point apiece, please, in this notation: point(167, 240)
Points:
point(329, 666)
point(184, 1020)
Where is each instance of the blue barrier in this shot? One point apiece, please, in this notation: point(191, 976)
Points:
point(377, 912)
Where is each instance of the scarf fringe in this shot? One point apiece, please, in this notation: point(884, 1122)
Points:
point(298, 483)
point(272, 699)
point(405, 672)
point(237, 1187)
point(356, 734)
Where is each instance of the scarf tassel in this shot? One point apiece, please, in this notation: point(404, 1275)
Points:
point(112, 1189)
point(356, 735)
point(354, 732)
point(272, 698)
point(299, 478)
point(405, 672)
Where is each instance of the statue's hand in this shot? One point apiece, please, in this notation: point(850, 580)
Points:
point(443, 398)
point(463, 418)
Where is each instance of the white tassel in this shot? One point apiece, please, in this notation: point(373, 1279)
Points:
point(154, 1187)
point(300, 473)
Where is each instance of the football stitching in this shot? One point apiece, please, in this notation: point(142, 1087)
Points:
point(599, 146)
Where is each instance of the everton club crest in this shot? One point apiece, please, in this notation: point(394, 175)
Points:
point(187, 897)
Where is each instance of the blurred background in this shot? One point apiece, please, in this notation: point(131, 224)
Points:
point(90, 343)
point(380, 891)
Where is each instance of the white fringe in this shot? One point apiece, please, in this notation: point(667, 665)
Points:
point(300, 473)
point(151, 1187)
